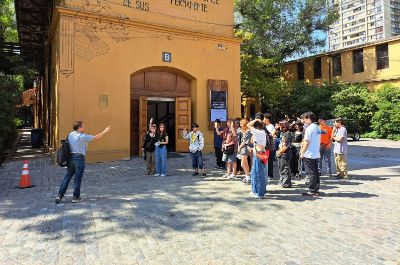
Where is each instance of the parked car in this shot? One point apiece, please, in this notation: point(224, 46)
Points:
point(353, 129)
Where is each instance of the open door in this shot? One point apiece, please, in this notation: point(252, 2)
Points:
point(183, 116)
point(143, 128)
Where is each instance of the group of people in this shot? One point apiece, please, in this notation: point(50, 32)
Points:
point(242, 147)
point(300, 147)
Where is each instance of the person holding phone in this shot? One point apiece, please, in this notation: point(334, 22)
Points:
point(161, 150)
point(258, 170)
point(218, 139)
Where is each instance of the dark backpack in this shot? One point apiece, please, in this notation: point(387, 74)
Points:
point(270, 143)
point(64, 153)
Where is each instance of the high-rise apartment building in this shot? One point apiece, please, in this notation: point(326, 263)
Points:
point(363, 21)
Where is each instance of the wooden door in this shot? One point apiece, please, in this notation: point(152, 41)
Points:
point(183, 116)
point(143, 128)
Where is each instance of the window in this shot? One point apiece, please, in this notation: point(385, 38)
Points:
point(382, 56)
point(317, 68)
point(358, 61)
point(337, 65)
point(300, 71)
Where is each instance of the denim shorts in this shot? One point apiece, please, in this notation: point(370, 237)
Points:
point(197, 160)
point(229, 158)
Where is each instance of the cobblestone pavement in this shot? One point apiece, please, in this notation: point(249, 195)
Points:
point(128, 217)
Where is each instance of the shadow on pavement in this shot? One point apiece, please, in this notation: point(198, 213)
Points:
point(120, 199)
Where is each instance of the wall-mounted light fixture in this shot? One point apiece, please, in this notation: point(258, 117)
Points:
point(222, 47)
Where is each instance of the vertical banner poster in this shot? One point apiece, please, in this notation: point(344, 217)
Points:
point(218, 106)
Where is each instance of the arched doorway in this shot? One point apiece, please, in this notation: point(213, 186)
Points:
point(163, 94)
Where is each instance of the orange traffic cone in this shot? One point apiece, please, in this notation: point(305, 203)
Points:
point(25, 181)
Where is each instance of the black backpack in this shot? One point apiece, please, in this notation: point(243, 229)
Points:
point(64, 153)
point(270, 143)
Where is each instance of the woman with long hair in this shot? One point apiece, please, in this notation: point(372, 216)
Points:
point(243, 153)
point(161, 151)
point(295, 164)
point(229, 149)
point(258, 171)
point(149, 148)
point(284, 155)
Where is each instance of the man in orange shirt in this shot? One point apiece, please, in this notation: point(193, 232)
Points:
point(326, 143)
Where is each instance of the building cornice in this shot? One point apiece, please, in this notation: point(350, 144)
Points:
point(331, 53)
point(62, 11)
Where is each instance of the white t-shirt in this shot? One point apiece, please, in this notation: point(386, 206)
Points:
point(270, 128)
point(312, 135)
point(260, 137)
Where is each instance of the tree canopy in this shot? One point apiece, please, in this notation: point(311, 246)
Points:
point(273, 31)
point(8, 24)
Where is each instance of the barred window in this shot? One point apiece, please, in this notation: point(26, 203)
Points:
point(317, 68)
point(300, 71)
point(337, 65)
point(382, 56)
point(358, 61)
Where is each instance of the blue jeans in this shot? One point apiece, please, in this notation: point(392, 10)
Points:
point(258, 182)
point(197, 160)
point(75, 167)
point(326, 155)
point(161, 160)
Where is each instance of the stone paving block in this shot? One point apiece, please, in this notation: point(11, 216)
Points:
point(128, 217)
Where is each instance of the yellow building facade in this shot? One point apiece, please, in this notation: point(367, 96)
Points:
point(121, 62)
point(374, 65)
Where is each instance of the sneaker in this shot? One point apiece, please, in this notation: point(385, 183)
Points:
point(246, 180)
point(76, 199)
point(255, 195)
point(195, 174)
point(156, 175)
point(203, 174)
point(163, 175)
point(231, 176)
point(58, 199)
point(312, 194)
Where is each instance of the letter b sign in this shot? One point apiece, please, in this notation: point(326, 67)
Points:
point(166, 57)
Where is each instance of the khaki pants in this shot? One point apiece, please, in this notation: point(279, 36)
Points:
point(151, 162)
point(341, 165)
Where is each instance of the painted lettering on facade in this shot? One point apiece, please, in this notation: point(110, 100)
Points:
point(138, 4)
point(201, 6)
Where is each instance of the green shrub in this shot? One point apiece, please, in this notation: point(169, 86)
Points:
point(18, 122)
point(386, 120)
point(373, 135)
point(395, 137)
point(10, 87)
point(355, 102)
point(313, 98)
